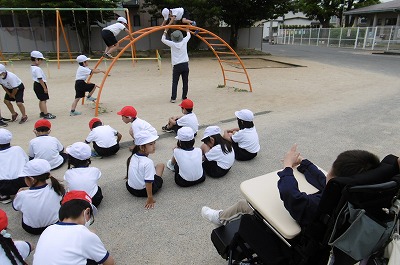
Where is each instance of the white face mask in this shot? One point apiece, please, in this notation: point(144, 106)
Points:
point(88, 222)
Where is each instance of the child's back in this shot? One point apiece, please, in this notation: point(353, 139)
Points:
point(190, 163)
point(83, 178)
point(46, 147)
point(12, 161)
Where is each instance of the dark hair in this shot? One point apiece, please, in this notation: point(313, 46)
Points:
point(81, 64)
point(97, 123)
point(33, 59)
point(42, 129)
point(11, 250)
point(245, 124)
point(57, 186)
point(73, 209)
point(3, 146)
point(75, 162)
point(188, 110)
point(226, 146)
point(353, 162)
point(185, 145)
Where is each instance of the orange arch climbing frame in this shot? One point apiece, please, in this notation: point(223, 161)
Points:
point(213, 41)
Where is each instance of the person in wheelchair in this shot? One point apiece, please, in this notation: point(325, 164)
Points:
point(301, 206)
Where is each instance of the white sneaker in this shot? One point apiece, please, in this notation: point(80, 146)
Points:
point(211, 215)
point(170, 166)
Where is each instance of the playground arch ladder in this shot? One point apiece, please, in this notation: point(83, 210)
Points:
point(226, 56)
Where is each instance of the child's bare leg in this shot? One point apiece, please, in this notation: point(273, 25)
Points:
point(43, 106)
point(75, 103)
point(112, 48)
point(186, 21)
point(91, 92)
point(9, 106)
point(21, 108)
point(159, 169)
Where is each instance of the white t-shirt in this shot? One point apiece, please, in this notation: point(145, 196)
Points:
point(177, 12)
point(39, 206)
point(23, 248)
point(82, 73)
point(178, 49)
point(190, 163)
point(12, 161)
point(139, 125)
point(38, 73)
point(11, 81)
point(247, 139)
point(83, 178)
point(224, 161)
point(67, 244)
point(103, 135)
point(141, 170)
point(46, 147)
point(189, 120)
point(116, 28)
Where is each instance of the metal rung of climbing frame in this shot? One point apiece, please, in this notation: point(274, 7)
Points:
point(234, 71)
point(236, 81)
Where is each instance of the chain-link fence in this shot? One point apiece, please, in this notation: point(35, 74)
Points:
point(372, 38)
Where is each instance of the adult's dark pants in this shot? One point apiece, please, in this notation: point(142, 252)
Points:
point(181, 69)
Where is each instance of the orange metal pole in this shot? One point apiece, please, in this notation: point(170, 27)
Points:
point(65, 39)
point(58, 37)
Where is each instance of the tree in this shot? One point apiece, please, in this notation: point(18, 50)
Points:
point(323, 10)
point(79, 21)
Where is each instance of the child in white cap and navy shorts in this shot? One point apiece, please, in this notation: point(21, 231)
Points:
point(40, 85)
point(218, 154)
point(110, 33)
point(144, 179)
point(245, 138)
point(14, 89)
point(39, 202)
point(187, 160)
point(79, 175)
point(105, 138)
point(12, 161)
point(81, 86)
point(70, 241)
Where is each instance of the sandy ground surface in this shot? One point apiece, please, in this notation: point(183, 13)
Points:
point(324, 109)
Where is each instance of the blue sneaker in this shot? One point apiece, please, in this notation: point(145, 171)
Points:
point(94, 154)
point(74, 113)
point(91, 98)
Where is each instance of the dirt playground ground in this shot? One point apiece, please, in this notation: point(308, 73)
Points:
point(174, 232)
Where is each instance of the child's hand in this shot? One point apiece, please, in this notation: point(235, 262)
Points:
point(150, 203)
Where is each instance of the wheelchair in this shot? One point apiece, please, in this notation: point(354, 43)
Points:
point(355, 219)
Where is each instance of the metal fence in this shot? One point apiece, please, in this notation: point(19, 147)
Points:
point(371, 38)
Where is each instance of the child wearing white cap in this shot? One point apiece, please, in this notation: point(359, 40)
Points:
point(218, 154)
point(81, 87)
point(187, 160)
point(12, 161)
point(245, 138)
point(176, 15)
point(14, 89)
point(109, 34)
point(39, 202)
point(70, 241)
point(144, 179)
point(79, 175)
point(40, 85)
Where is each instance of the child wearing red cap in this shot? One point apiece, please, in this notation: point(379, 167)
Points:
point(144, 179)
point(244, 139)
point(39, 202)
point(79, 175)
point(45, 146)
point(81, 87)
point(129, 114)
point(188, 119)
point(11, 252)
point(12, 161)
point(105, 139)
point(70, 241)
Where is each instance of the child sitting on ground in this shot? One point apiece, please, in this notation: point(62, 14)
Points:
point(218, 154)
point(45, 146)
point(12, 161)
point(40, 85)
point(14, 89)
point(39, 202)
point(105, 139)
point(187, 160)
point(81, 87)
point(11, 252)
point(79, 175)
point(129, 114)
point(188, 119)
point(144, 180)
point(245, 138)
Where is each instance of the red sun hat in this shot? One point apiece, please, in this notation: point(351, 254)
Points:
point(78, 195)
point(186, 104)
point(128, 111)
point(93, 121)
point(43, 123)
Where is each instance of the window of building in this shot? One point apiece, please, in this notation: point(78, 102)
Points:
point(154, 21)
point(136, 21)
point(390, 21)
